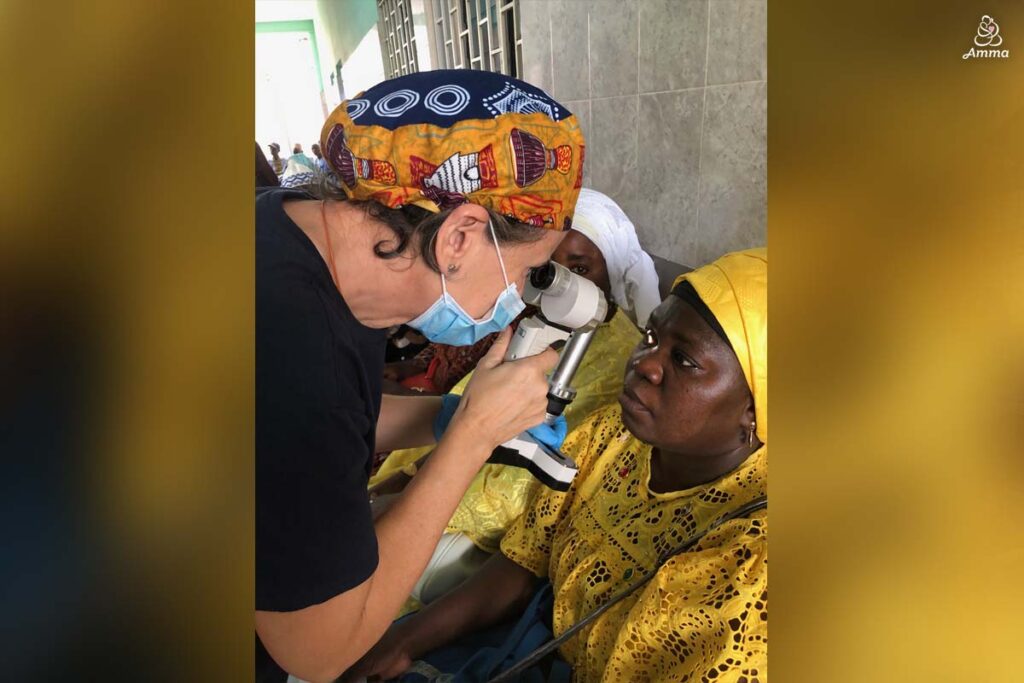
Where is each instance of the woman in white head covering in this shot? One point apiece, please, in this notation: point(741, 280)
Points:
point(634, 282)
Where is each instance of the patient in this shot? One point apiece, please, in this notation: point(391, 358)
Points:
point(686, 445)
point(602, 247)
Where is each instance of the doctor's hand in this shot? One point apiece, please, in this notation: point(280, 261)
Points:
point(550, 435)
point(505, 398)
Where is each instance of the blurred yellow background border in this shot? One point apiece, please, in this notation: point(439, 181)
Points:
point(895, 225)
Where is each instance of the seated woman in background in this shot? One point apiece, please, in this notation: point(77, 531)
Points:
point(686, 447)
point(297, 173)
point(602, 247)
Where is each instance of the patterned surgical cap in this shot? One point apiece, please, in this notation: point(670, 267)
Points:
point(438, 139)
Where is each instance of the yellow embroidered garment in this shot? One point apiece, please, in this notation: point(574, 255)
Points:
point(705, 610)
point(703, 617)
point(499, 493)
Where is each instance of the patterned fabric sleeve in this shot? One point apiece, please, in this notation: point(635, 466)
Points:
point(455, 362)
point(704, 617)
point(424, 357)
point(528, 541)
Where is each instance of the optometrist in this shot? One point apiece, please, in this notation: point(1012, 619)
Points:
point(429, 225)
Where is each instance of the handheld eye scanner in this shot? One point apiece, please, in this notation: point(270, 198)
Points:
point(570, 309)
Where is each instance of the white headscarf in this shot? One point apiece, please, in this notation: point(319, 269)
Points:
point(630, 270)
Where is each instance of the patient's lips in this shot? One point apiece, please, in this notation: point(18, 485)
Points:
point(632, 403)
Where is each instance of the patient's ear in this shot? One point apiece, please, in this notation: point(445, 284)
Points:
point(750, 414)
point(749, 426)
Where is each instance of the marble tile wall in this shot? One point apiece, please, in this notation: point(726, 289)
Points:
point(672, 98)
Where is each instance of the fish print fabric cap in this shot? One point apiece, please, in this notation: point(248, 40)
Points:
point(438, 139)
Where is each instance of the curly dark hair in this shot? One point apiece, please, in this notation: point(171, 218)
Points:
point(417, 226)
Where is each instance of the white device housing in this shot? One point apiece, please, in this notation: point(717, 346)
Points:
point(554, 469)
point(531, 337)
point(575, 304)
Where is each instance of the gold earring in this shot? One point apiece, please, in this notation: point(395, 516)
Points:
point(750, 434)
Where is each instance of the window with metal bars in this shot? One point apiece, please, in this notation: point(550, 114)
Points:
point(475, 34)
point(397, 37)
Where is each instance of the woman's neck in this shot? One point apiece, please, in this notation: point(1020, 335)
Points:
point(673, 471)
point(380, 293)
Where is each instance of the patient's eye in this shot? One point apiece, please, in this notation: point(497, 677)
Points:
point(682, 359)
point(580, 270)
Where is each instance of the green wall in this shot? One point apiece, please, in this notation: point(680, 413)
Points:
point(297, 26)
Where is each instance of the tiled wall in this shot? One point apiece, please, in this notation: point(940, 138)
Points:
point(672, 96)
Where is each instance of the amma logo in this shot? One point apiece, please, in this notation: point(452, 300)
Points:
point(987, 39)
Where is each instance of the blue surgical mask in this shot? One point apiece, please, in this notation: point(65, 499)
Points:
point(446, 322)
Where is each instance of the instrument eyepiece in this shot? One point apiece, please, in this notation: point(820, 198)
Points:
point(543, 277)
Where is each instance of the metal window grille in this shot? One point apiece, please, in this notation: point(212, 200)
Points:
point(397, 37)
point(475, 34)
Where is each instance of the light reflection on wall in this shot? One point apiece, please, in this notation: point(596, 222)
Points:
point(288, 103)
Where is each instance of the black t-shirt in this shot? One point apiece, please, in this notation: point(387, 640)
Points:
point(318, 393)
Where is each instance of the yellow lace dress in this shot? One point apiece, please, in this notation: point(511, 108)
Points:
point(500, 493)
point(703, 617)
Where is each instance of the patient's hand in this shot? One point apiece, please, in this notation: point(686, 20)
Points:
point(500, 590)
point(389, 658)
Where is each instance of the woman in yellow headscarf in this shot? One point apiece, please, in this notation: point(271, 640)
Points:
point(686, 446)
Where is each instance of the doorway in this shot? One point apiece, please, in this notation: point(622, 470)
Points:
point(290, 106)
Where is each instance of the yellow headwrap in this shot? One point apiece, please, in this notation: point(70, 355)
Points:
point(735, 289)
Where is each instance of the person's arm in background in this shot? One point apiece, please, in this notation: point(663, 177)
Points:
point(406, 421)
point(391, 388)
point(399, 479)
point(265, 176)
point(319, 642)
point(398, 371)
point(401, 369)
